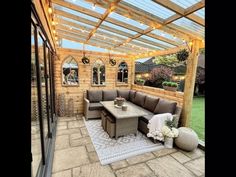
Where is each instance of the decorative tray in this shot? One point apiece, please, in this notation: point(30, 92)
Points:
point(118, 106)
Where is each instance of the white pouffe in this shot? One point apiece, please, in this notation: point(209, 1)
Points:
point(187, 139)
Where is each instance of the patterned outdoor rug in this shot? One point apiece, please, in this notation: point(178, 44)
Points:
point(111, 150)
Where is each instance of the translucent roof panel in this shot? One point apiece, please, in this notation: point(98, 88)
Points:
point(166, 35)
point(157, 41)
point(140, 42)
point(190, 25)
point(200, 13)
point(118, 27)
point(128, 21)
point(115, 34)
point(79, 23)
point(185, 3)
point(151, 7)
point(75, 13)
point(87, 5)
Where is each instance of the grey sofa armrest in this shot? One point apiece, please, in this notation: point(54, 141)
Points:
point(86, 107)
point(176, 115)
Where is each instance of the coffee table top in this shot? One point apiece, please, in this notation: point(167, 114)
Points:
point(132, 110)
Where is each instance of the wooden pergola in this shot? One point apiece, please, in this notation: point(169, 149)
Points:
point(136, 29)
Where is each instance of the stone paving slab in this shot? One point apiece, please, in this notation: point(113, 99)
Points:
point(69, 158)
point(80, 141)
point(139, 170)
point(179, 156)
point(90, 147)
point(62, 142)
point(194, 154)
point(140, 158)
point(66, 173)
point(67, 131)
point(93, 170)
point(119, 164)
point(93, 157)
point(167, 166)
point(197, 166)
point(76, 124)
point(164, 151)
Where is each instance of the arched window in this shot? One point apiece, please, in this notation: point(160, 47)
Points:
point(122, 74)
point(98, 73)
point(70, 71)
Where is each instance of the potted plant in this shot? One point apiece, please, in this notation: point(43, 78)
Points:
point(140, 81)
point(171, 86)
point(182, 55)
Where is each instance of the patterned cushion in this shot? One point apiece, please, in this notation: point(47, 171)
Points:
point(139, 98)
point(150, 103)
point(94, 96)
point(109, 95)
point(165, 106)
point(123, 94)
point(132, 95)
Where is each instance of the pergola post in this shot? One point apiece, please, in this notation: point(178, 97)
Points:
point(133, 70)
point(189, 83)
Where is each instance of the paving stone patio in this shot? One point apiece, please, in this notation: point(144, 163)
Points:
point(75, 156)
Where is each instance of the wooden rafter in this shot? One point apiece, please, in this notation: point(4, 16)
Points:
point(104, 16)
point(181, 12)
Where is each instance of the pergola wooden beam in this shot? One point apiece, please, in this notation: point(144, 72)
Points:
point(108, 11)
point(181, 12)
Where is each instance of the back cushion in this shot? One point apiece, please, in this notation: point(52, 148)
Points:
point(132, 95)
point(150, 103)
point(109, 95)
point(123, 94)
point(94, 95)
point(139, 99)
point(165, 106)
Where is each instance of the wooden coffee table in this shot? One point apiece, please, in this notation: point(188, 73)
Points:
point(126, 121)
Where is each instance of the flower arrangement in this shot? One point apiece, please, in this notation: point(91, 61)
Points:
point(170, 132)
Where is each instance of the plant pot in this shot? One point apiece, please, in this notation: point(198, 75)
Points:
point(170, 88)
point(168, 142)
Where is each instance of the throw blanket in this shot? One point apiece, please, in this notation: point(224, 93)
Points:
point(155, 125)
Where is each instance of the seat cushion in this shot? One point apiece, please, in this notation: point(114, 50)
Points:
point(123, 93)
point(139, 99)
point(150, 103)
point(132, 95)
point(165, 106)
point(94, 96)
point(95, 106)
point(109, 95)
point(146, 118)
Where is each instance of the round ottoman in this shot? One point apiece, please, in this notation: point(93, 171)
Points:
point(187, 139)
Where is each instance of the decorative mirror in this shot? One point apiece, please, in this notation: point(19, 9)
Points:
point(98, 70)
point(122, 75)
point(70, 72)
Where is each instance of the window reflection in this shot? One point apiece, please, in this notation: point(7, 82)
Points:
point(98, 73)
point(122, 75)
point(70, 71)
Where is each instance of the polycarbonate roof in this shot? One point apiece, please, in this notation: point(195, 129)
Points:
point(133, 25)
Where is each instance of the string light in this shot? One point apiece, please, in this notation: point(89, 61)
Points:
point(53, 23)
point(93, 6)
point(54, 31)
point(141, 23)
point(49, 10)
point(56, 38)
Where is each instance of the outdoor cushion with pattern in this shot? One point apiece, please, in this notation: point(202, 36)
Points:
point(94, 96)
point(109, 95)
point(139, 98)
point(123, 94)
point(95, 106)
point(150, 103)
point(165, 106)
point(132, 95)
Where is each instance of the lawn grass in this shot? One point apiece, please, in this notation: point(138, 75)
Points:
point(197, 122)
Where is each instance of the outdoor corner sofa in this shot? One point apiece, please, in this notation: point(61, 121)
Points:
point(151, 104)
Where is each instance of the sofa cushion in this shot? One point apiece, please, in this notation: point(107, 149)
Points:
point(150, 103)
point(109, 95)
point(123, 94)
point(132, 95)
point(165, 106)
point(94, 96)
point(95, 106)
point(146, 118)
point(139, 98)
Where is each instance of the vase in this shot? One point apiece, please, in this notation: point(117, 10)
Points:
point(168, 142)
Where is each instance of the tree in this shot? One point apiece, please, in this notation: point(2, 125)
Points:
point(160, 74)
point(169, 60)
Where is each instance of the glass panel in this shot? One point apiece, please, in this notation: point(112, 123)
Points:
point(70, 72)
point(35, 127)
point(119, 28)
point(74, 21)
point(151, 7)
point(167, 35)
point(98, 73)
point(122, 75)
point(185, 3)
point(157, 41)
point(140, 42)
point(43, 87)
point(190, 25)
